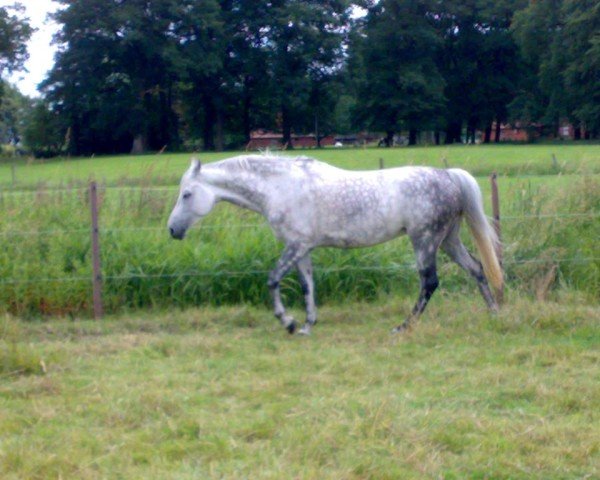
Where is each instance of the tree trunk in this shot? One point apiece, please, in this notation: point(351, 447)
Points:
point(165, 120)
point(487, 135)
point(412, 136)
point(139, 144)
point(577, 132)
point(498, 132)
point(389, 138)
point(246, 118)
point(436, 136)
point(220, 142)
point(453, 133)
point(246, 109)
point(209, 122)
point(286, 127)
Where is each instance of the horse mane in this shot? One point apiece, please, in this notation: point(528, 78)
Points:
point(266, 164)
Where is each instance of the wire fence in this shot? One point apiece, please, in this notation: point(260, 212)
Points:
point(236, 226)
point(394, 269)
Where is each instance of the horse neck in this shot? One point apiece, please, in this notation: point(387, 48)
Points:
point(242, 188)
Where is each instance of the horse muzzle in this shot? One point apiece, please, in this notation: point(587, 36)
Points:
point(177, 233)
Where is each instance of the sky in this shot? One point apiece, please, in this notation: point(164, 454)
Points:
point(41, 50)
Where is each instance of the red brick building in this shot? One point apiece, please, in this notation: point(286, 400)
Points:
point(263, 140)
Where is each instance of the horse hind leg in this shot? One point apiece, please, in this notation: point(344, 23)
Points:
point(426, 263)
point(457, 251)
point(308, 289)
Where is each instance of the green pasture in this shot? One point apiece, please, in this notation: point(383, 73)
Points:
point(167, 168)
point(190, 376)
point(225, 393)
point(550, 227)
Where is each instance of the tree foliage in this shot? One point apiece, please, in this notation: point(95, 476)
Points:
point(140, 75)
point(15, 31)
point(560, 41)
point(14, 110)
point(399, 83)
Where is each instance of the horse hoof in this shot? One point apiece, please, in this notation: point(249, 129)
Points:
point(400, 329)
point(305, 330)
point(291, 327)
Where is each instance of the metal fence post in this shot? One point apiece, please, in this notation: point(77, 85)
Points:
point(496, 224)
point(97, 272)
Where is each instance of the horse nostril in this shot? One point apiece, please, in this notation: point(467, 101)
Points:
point(172, 231)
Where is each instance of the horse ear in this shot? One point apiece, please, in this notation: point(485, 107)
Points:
point(196, 166)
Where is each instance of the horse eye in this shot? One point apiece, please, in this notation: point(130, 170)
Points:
point(187, 195)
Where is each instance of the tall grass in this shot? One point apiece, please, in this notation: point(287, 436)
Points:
point(45, 262)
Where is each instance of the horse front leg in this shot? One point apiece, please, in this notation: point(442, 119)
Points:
point(308, 289)
point(290, 257)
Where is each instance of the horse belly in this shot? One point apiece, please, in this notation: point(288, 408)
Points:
point(353, 229)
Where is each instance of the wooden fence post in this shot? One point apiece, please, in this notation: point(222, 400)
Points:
point(496, 224)
point(381, 164)
point(97, 272)
point(554, 163)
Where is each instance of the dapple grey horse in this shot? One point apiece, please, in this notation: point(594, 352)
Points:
point(311, 204)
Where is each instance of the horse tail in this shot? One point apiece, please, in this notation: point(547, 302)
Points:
point(483, 233)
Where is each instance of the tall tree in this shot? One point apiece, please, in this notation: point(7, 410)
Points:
point(15, 31)
point(399, 85)
point(201, 57)
point(115, 62)
point(304, 45)
point(14, 110)
point(581, 43)
point(479, 62)
point(43, 134)
point(536, 29)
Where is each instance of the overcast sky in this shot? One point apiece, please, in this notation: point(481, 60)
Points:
point(41, 50)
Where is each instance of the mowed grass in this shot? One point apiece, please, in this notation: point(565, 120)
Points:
point(167, 169)
point(225, 393)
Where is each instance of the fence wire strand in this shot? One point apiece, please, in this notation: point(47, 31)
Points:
point(104, 189)
point(233, 226)
point(396, 268)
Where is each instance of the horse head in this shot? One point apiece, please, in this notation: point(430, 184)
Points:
point(196, 199)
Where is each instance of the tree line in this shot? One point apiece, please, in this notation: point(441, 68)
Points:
point(141, 75)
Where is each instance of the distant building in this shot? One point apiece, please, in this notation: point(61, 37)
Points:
point(516, 132)
point(263, 140)
point(521, 132)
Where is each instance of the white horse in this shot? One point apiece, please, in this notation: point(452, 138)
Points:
point(311, 204)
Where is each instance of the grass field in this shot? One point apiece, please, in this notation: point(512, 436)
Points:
point(225, 393)
point(163, 389)
point(166, 169)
